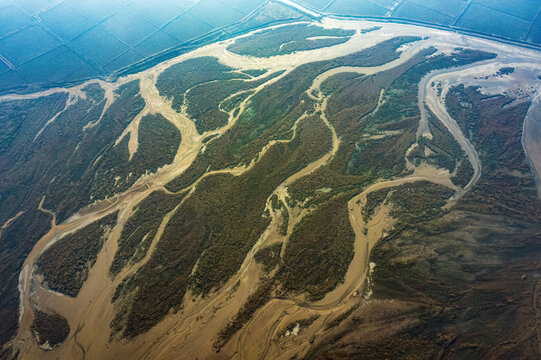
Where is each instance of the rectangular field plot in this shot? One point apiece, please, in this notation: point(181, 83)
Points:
point(12, 19)
point(4, 4)
point(27, 44)
point(55, 65)
point(186, 27)
point(3, 67)
point(11, 79)
point(159, 12)
point(535, 32)
point(526, 9)
point(388, 4)
point(215, 13)
point(448, 7)
point(412, 11)
point(157, 42)
point(127, 58)
point(65, 21)
point(316, 4)
point(246, 6)
point(128, 27)
point(361, 7)
point(98, 46)
point(96, 10)
point(486, 20)
point(34, 6)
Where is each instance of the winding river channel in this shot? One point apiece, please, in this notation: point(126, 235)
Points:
point(90, 313)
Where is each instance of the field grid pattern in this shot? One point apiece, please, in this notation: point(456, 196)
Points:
point(52, 41)
point(38, 45)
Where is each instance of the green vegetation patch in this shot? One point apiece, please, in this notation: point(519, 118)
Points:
point(255, 72)
point(20, 121)
point(418, 201)
point(16, 241)
point(470, 273)
point(464, 173)
point(67, 150)
point(234, 101)
point(400, 112)
point(319, 250)
point(506, 186)
point(373, 200)
point(302, 324)
point(269, 256)
point(203, 101)
point(257, 299)
point(139, 231)
point(272, 112)
point(288, 39)
point(313, 241)
point(340, 318)
point(65, 265)
point(209, 236)
point(50, 329)
point(179, 78)
point(115, 172)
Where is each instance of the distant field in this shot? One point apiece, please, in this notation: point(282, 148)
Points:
point(449, 7)
point(535, 33)
point(486, 20)
point(155, 43)
point(11, 79)
point(159, 12)
point(56, 62)
point(128, 27)
point(55, 20)
point(526, 9)
point(513, 19)
point(3, 68)
point(109, 46)
point(128, 57)
point(12, 19)
point(361, 7)
point(215, 13)
point(412, 11)
point(389, 4)
point(316, 4)
point(27, 44)
point(186, 27)
point(243, 6)
point(48, 41)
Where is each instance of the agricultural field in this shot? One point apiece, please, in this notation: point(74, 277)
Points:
point(54, 19)
point(132, 35)
point(12, 48)
point(317, 4)
point(451, 8)
point(515, 20)
point(489, 21)
point(103, 37)
point(412, 11)
point(356, 8)
point(523, 9)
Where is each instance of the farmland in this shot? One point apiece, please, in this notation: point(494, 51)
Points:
point(37, 43)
